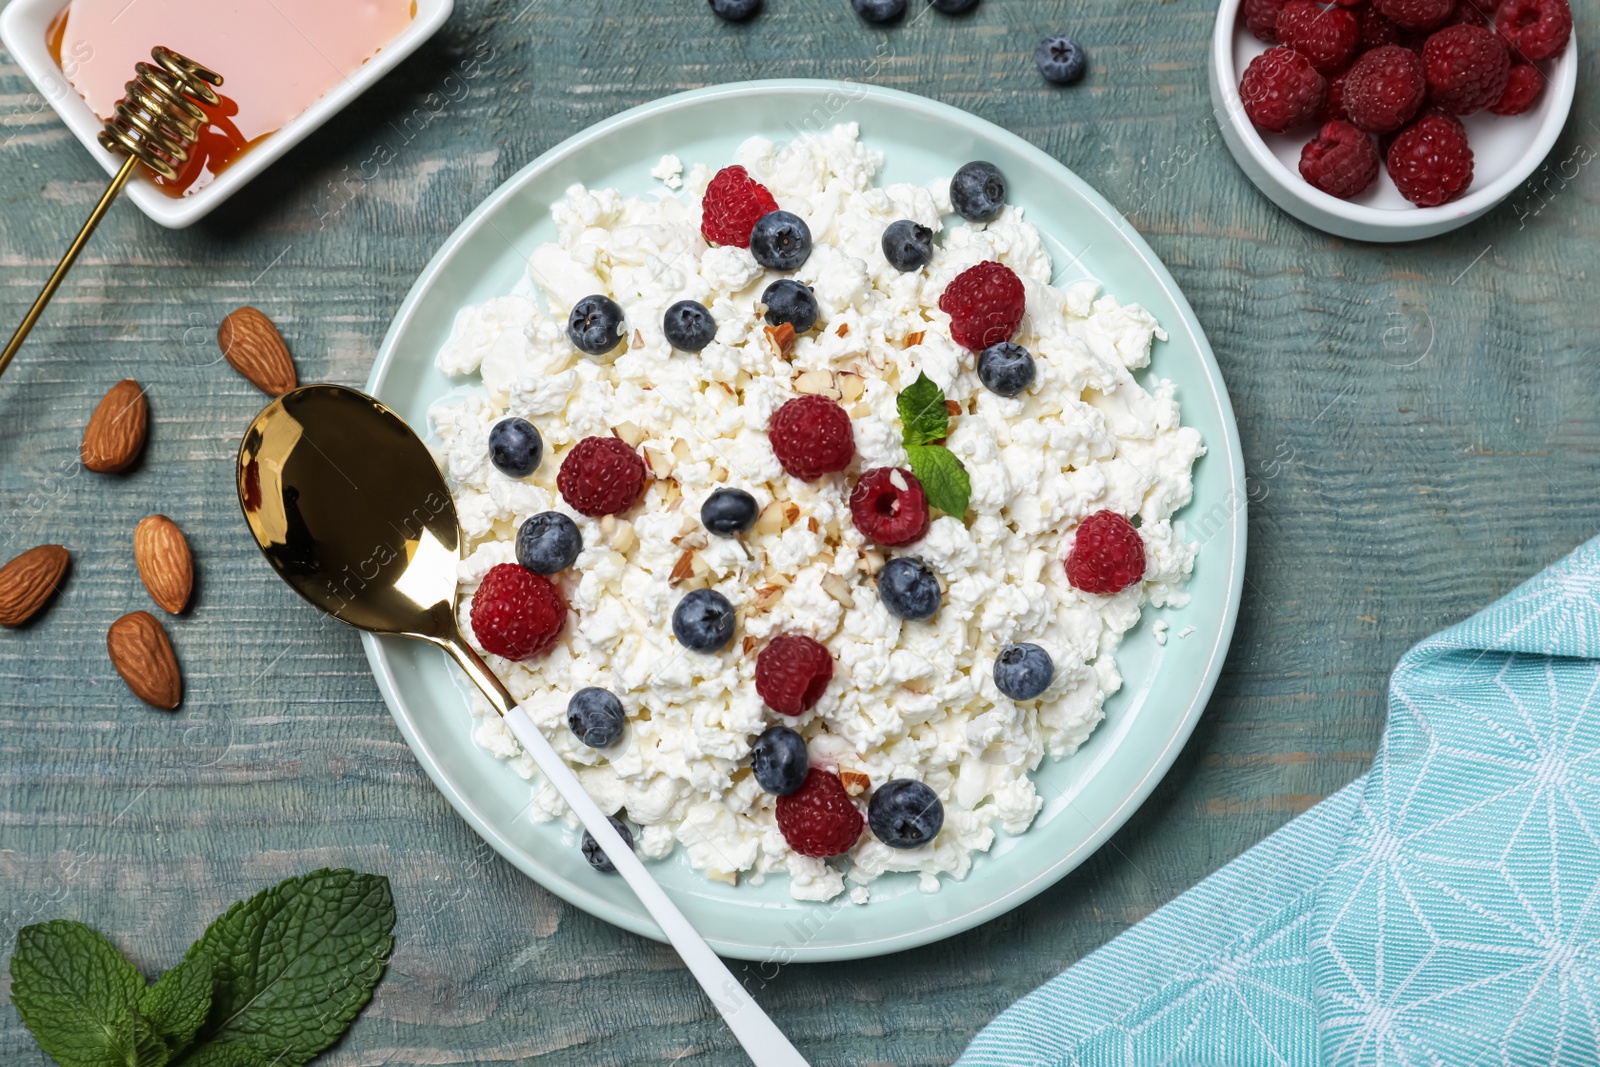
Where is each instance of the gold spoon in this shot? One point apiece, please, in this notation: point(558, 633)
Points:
point(351, 510)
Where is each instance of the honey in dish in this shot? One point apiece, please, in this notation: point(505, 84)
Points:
point(276, 60)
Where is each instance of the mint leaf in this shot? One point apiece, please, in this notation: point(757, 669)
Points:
point(150, 1050)
point(226, 1055)
point(923, 416)
point(943, 477)
point(294, 965)
point(76, 993)
point(177, 1005)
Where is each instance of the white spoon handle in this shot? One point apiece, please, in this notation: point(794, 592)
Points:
point(760, 1036)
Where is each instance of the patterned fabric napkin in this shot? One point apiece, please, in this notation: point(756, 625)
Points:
point(1442, 910)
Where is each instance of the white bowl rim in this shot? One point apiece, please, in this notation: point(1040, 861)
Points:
point(21, 26)
point(1563, 84)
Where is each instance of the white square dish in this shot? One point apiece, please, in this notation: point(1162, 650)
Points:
point(23, 27)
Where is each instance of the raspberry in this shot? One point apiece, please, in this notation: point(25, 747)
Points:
point(1470, 13)
point(1523, 85)
point(1340, 160)
point(1431, 161)
point(818, 819)
point(1261, 18)
point(985, 304)
point(792, 672)
point(812, 437)
point(1281, 90)
point(1107, 555)
point(1333, 100)
point(1376, 30)
point(1415, 14)
point(889, 506)
point(1384, 89)
point(601, 476)
point(517, 614)
point(1466, 68)
point(1534, 29)
point(732, 204)
point(1326, 37)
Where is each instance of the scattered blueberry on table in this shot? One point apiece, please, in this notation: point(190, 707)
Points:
point(515, 447)
point(779, 760)
point(593, 853)
point(1061, 59)
point(904, 813)
point(548, 542)
point(879, 10)
point(595, 325)
point(907, 245)
point(909, 588)
point(978, 191)
point(787, 301)
point(729, 512)
point(688, 326)
point(952, 7)
point(781, 240)
point(735, 10)
point(1005, 368)
point(703, 621)
point(1023, 671)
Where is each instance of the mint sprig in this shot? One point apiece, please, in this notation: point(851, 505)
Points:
point(923, 414)
point(276, 980)
point(924, 419)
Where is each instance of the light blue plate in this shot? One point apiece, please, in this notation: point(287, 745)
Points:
point(1086, 797)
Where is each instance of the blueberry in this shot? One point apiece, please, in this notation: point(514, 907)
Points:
point(780, 240)
point(595, 325)
point(729, 512)
point(548, 542)
point(735, 10)
point(909, 588)
point(689, 326)
point(904, 813)
point(1061, 59)
point(779, 761)
point(591, 848)
point(978, 191)
point(703, 620)
point(789, 301)
point(515, 447)
point(1022, 672)
point(1005, 368)
point(595, 716)
point(879, 10)
point(952, 7)
point(907, 246)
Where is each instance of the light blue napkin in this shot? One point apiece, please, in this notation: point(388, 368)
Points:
point(1443, 910)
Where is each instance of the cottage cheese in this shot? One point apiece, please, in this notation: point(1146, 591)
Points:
point(908, 699)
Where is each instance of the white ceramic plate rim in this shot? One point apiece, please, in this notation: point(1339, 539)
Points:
point(1398, 220)
point(22, 29)
point(1225, 450)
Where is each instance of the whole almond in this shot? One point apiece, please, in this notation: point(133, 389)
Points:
point(252, 346)
point(166, 566)
point(115, 434)
point(142, 654)
point(27, 582)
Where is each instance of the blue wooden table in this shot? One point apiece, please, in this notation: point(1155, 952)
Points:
point(1420, 428)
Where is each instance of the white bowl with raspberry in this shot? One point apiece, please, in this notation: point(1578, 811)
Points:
point(1411, 181)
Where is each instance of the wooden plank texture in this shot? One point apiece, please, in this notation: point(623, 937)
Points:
point(1420, 425)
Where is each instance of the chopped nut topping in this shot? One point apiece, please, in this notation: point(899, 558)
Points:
point(780, 339)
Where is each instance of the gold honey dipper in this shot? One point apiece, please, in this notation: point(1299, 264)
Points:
point(153, 124)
